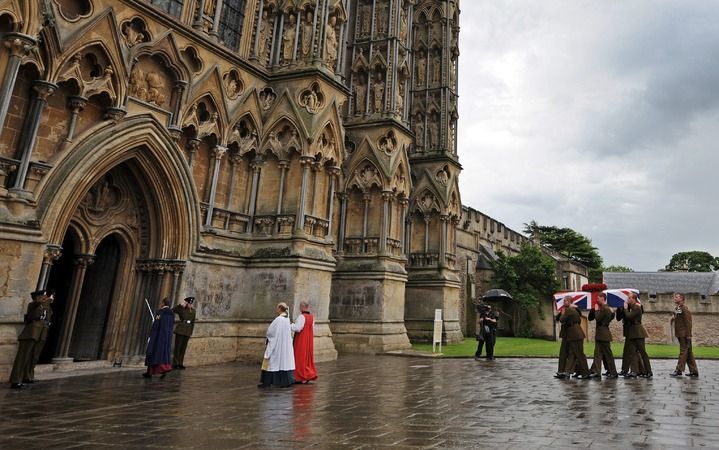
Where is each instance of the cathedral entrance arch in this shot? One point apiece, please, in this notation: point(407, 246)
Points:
point(125, 226)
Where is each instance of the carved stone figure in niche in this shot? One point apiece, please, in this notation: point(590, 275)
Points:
point(419, 131)
point(209, 10)
point(233, 85)
point(442, 177)
point(388, 143)
point(427, 201)
point(267, 98)
point(421, 68)
point(288, 40)
point(310, 101)
point(102, 196)
point(133, 32)
point(403, 26)
point(436, 68)
point(263, 37)
point(382, 18)
point(378, 93)
point(365, 19)
point(306, 44)
point(399, 97)
point(138, 85)
point(155, 89)
point(452, 72)
point(331, 43)
point(360, 95)
point(434, 131)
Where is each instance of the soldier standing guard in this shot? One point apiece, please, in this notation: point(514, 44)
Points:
point(183, 330)
point(32, 338)
point(683, 333)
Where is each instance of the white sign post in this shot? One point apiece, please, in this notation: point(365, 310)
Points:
point(437, 337)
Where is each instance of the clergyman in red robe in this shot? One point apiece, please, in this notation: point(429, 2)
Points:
point(304, 328)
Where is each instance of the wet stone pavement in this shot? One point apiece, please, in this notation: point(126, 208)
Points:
point(367, 402)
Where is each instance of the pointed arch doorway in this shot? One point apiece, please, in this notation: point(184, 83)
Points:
point(112, 260)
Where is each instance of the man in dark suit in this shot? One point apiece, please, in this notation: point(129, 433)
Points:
point(603, 315)
point(683, 332)
point(183, 330)
point(32, 338)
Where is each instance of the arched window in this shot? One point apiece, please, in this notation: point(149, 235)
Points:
point(233, 14)
point(171, 7)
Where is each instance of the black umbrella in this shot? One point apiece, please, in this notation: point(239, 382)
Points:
point(496, 294)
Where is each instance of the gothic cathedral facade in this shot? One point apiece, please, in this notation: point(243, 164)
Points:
point(245, 152)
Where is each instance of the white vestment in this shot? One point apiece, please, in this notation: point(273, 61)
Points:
point(279, 345)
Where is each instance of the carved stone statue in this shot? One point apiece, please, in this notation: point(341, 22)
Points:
point(331, 43)
point(403, 25)
point(288, 40)
point(365, 19)
point(132, 36)
point(263, 37)
point(399, 97)
point(436, 68)
point(382, 18)
point(434, 132)
point(378, 93)
point(421, 68)
point(360, 95)
point(419, 131)
point(155, 89)
point(138, 85)
point(306, 44)
point(311, 102)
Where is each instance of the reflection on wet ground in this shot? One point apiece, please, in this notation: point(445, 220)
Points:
point(367, 402)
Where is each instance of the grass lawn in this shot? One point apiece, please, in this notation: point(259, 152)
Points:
point(509, 346)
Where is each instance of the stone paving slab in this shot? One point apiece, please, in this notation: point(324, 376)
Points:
point(366, 402)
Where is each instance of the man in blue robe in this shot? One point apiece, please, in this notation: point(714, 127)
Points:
point(158, 358)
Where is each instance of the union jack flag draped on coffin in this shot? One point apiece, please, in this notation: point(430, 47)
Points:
point(587, 300)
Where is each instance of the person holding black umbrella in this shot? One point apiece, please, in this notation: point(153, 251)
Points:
point(486, 330)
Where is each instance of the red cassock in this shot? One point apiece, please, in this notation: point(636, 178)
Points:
point(304, 351)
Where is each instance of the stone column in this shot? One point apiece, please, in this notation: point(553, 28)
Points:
point(52, 253)
point(343, 222)
point(197, 24)
point(78, 277)
point(177, 89)
point(43, 90)
point(76, 103)
point(384, 231)
point(255, 47)
point(366, 198)
point(215, 32)
point(234, 159)
point(306, 162)
point(192, 146)
point(316, 169)
point(333, 172)
point(284, 166)
point(403, 226)
point(427, 220)
point(19, 45)
point(218, 152)
point(443, 240)
point(256, 167)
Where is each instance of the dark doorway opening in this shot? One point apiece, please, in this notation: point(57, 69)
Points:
point(93, 310)
point(60, 280)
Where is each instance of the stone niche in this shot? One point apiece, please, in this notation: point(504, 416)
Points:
point(151, 88)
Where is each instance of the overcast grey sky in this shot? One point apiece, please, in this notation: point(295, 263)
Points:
point(601, 116)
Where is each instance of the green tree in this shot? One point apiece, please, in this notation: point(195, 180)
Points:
point(530, 278)
point(570, 243)
point(694, 261)
point(617, 269)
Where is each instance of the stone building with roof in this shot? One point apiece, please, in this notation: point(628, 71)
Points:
point(656, 294)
